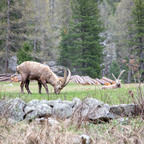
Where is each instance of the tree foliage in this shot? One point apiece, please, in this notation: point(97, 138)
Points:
point(115, 69)
point(24, 54)
point(136, 31)
point(81, 47)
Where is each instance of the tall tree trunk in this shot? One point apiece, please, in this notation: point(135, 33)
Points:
point(129, 75)
point(141, 59)
point(7, 37)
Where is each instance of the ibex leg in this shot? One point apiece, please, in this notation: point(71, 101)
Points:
point(27, 86)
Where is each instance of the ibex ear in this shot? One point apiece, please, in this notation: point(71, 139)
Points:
point(59, 81)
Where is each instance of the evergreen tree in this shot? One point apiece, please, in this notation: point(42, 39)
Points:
point(136, 30)
point(115, 69)
point(81, 47)
point(10, 15)
point(24, 54)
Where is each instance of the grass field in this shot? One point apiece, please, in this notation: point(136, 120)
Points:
point(110, 96)
point(130, 132)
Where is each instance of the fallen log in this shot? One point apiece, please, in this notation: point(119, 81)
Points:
point(108, 80)
point(5, 79)
point(105, 82)
point(100, 81)
point(6, 75)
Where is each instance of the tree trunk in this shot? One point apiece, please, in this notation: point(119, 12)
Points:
point(129, 76)
point(141, 59)
point(7, 37)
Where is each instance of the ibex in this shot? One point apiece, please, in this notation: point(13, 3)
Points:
point(30, 70)
point(117, 82)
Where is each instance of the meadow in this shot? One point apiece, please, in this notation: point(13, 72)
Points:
point(110, 96)
point(130, 131)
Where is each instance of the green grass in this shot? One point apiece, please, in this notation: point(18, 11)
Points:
point(132, 131)
point(110, 96)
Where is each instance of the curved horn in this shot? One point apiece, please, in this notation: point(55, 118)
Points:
point(121, 73)
point(68, 77)
point(113, 76)
point(65, 77)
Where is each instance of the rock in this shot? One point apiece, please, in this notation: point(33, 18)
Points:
point(9, 85)
point(12, 109)
point(100, 114)
point(52, 103)
point(93, 110)
point(123, 121)
point(77, 102)
point(86, 139)
point(85, 110)
point(29, 109)
point(93, 102)
point(58, 70)
point(70, 103)
point(49, 120)
point(62, 111)
point(123, 109)
point(45, 102)
point(4, 105)
point(17, 109)
point(50, 63)
point(12, 121)
point(53, 122)
point(33, 103)
point(12, 63)
point(42, 110)
point(40, 120)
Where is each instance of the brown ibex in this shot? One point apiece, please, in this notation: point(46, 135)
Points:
point(117, 82)
point(30, 70)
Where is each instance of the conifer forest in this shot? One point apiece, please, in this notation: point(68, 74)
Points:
point(90, 37)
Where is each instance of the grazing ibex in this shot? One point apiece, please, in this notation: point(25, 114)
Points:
point(30, 70)
point(117, 82)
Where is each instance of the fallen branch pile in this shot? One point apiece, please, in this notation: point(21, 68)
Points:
point(86, 80)
point(10, 77)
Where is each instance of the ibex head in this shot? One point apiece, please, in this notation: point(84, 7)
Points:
point(118, 81)
point(61, 83)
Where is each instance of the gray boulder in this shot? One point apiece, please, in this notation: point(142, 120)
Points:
point(62, 111)
point(52, 103)
point(4, 105)
point(33, 103)
point(93, 102)
point(100, 114)
point(58, 70)
point(50, 63)
point(70, 103)
point(42, 110)
point(12, 63)
point(94, 110)
point(123, 109)
point(78, 104)
point(13, 109)
point(31, 106)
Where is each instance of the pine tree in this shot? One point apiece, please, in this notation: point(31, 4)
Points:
point(24, 54)
point(136, 30)
point(81, 47)
point(10, 29)
point(115, 69)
